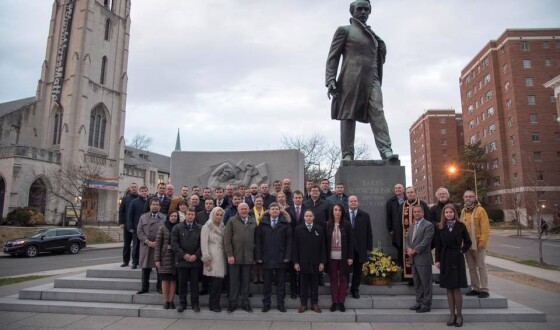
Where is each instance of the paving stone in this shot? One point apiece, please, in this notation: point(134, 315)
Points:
point(7, 317)
point(94, 322)
point(53, 320)
point(140, 324)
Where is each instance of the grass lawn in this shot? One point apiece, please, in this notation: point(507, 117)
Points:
point(14, 280)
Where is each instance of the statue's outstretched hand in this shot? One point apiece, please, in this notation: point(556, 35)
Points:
point(332, 90)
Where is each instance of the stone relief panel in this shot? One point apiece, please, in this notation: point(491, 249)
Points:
point(229, 173)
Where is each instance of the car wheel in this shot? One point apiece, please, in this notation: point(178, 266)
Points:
point(31, 251)
point(74, 248)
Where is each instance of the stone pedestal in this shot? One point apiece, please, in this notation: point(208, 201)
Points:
point(372, 182)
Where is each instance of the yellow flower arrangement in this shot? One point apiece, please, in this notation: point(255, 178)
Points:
point(379, 265)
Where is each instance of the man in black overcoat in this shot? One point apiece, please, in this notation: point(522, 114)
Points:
point(362, 240)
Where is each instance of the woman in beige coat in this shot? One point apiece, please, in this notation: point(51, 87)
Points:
point(213, 255)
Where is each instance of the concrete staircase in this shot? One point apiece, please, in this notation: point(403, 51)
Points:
point(110, 290)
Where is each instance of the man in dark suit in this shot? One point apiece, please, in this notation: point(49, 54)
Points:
point(267, 197)
point(418, 248)
point(123, 210)
point(221, 200)
point(320, 209)
point(309, 257)
point(202, 216)
point(136, 209)
point(296, 212)
point(392, 208)
point(362, 240)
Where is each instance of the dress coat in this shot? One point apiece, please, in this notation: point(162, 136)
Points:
point(185, 240)
point(273, 245)
point(147, 230)
point(362, 236)
point(363, 54)
point(295, 220)
point(239, 240)
point(422, 243)
point(164, 253)
point(212, 247)
point(320, 209)
point(346, 244)
point(450, 247)
point(309, 248)
point(134, 212)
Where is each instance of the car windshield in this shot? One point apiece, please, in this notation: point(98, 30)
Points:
point(36, 234)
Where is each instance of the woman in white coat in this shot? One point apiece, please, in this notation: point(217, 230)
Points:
point(213, 256)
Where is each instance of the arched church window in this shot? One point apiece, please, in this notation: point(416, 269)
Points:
point(97, 126)
point(38, 195)
point(57, 126)
point(107, 3)
point(103, 70)
point(107, 29)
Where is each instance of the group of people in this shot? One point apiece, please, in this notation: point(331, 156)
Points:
point(455, 234)
point(228, 236)
point(246, 232)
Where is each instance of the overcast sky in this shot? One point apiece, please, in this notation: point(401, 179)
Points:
point(240, 74)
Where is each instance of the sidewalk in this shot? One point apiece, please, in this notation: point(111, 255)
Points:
point(525, 233)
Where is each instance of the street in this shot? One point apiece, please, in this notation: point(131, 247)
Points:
point(525, 248)
point(13, 266)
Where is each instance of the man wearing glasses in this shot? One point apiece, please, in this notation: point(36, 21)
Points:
point(476, 219)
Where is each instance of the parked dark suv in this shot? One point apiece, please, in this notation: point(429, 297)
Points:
point(47, 240)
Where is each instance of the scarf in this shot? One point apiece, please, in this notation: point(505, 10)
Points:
point(169, 225)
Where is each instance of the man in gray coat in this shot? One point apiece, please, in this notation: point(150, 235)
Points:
point(147, 230)
point(357, 92)
point(239, 245)
point(418, 247)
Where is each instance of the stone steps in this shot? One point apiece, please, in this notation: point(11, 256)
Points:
point(111, 290)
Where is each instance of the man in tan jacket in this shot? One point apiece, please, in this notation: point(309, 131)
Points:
point(476, 219)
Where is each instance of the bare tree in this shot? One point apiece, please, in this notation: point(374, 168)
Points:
point(71, 182)
point(140, 141)
point(321, 157)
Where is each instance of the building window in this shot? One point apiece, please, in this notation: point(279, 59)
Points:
point(508, 103)
point(485, 62)
point(471, 123)
point(469, 94)
point(152, 177)
point(113, 5)
point(483, 116)
point(506, 86)
point(514, 159)
point(107, 3)
point(444, 152)
point(442, 120)
point(492, 128)
point(472, 139)
point(493, 146)
point(470, 109)
point(535, 137)
point(540, 175)
point(533, 119)
point(57, 126)
point(443, 142)
point(490, 112)
point(161, 178)
point(545, 44)
point(537, 156)
point(484, 133)
point(515, 178)
point(529, 82)
point(107, 29)
point(103, 70)
point(443, 131)
point(510, 121)
point(494, 163)
point(489, 95)
point(547, 62)
point(496, 180)
point(531, 100)
point(487, 79)
point(97, 126)
point(557, 43)
point(512, 140)
point(524, 45)
point(527, 64)
point(505, 67)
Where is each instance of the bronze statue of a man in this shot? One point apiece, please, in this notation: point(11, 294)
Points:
point(357, 92)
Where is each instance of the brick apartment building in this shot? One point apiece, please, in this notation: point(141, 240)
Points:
point(435, 140)
point(507, 107)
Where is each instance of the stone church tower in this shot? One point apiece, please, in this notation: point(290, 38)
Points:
point(77, 116)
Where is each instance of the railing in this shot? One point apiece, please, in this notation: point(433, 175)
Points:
point(31, 153)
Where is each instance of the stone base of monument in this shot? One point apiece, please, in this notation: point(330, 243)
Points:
point(111, 290)
point(372, 181)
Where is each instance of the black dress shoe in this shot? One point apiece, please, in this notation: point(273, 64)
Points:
point(472, 293)
point(355, 295)
point(203, 292)
point(247, 308)
point(483, 294)
point(216, 309)
point(423, 310)
point(281, 308)
point(196, 308)
point(293, 296)
point(415, 307)
point(124, 264)
point(181, 308)
point(166, 306)
point(141, 291)
point(451, 321)
point(341, 307)
point(265, 308)
point(459, 322)
point(134, 266)
point(231, 309)
point(333, 307)
point(172, 305)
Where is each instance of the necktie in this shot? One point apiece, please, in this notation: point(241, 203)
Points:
point(415, 230)
point(309, 227)
point(161, 198)
point(274, 223)
point(353, 218)
point(297, 212)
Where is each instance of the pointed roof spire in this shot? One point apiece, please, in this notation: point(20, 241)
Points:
point(178, 142)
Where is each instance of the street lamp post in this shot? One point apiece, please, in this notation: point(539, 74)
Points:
point(454, 169)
